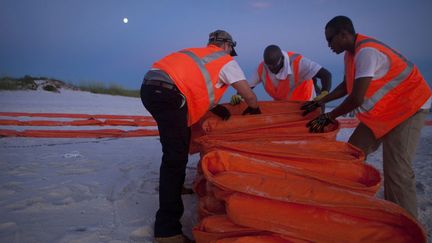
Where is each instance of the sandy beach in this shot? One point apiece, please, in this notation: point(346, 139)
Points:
point(106, 189)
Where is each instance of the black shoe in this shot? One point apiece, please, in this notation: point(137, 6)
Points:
point(174, 239)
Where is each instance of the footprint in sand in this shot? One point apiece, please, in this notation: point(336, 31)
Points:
point(149, 186)
point(73, 154)
point(420, 188)
point(141, 233)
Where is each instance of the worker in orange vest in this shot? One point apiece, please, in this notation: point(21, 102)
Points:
point(389, 96)
point(288, 76)
point(177, 91)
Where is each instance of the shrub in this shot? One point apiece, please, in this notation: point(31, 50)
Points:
point(50, 88)
point(8, 83)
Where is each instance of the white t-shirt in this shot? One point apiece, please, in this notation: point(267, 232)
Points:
point(369, 62)
point(307, 70)
point(230, 73)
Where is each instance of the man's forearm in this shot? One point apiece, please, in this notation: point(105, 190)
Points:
point(245, 91)
point(338, 92)
point(251, 101)
point(354, 99)
point(349, 104)
point(325, 76)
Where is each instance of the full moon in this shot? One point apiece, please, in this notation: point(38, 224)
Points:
point(125, 20)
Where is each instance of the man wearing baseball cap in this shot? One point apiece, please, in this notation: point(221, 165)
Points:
point(223, 36)
point(177, 91)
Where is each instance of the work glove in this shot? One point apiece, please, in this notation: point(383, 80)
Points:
point(320, 96)
point(318, 124)
point(221, 112)
point(251, 111)
point(310, 106)
point(236, 99)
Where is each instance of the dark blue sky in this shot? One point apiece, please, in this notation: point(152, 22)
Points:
point(86, 40)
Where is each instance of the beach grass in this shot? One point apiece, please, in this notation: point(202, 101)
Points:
point(111, 89)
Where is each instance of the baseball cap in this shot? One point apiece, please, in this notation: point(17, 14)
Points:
point(222, 35)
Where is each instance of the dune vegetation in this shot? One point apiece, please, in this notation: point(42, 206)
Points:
point(54, 85)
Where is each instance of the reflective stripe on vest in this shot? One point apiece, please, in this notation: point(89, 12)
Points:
point(369, 103)
point(291, 78)
point(200, 62)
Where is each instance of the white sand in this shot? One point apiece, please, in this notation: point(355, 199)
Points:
point(105, 190)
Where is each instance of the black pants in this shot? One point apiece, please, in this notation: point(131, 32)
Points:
point(165, 105)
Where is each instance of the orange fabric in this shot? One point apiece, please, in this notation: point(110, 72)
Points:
point(100, 133)
point(209, 205)
point(342, 166)
point(259, 239)
point(263, 187)
point(88, 122)
point(188, 78)
point(239, 123)
point(91, 120)
point(376, 221)
point(272, 198)
point(401, 102)
point(69, 115)
point(220, 229)
point(338, 163)
point(284, 130)
point(353, 176)
point(302, 92)
point(217, 227)
point(279, 120)
point(301, 208)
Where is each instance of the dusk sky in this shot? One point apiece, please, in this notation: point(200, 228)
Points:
point(87, 40)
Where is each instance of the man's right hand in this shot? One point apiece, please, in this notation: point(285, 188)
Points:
point(318, 124)
point(236, 99)
point(251, 111)
point(310, 106)
point(221, 111)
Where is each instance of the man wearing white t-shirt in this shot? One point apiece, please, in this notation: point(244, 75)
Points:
point(178, 90)
point(289, 76)
point(390, 98)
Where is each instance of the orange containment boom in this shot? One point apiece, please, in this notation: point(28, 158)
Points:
point(219, 228)
point(73, 115)
point(100, 133)
point(352, 175)
point(88, 120)
point(384, 222)
point(279, 119)
point(265, 178)
point(267, 196)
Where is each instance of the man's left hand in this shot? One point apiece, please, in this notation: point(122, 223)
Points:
point(309, 106)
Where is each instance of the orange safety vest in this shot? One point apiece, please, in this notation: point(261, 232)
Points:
point(290, 88)
point(195, 71)
point(393, 98)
